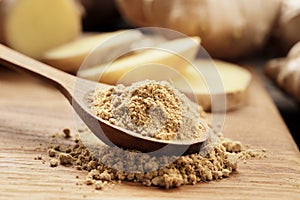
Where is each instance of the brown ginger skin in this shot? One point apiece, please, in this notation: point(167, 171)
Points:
point(285, 72)
point(287, 28)
point(227, 29)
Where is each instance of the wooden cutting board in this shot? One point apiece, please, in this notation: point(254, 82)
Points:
point(31, 112)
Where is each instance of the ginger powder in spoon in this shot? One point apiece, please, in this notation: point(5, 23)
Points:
point(151, 108)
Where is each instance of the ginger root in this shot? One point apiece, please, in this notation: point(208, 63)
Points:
point(287, 28)
point(285, 72)
point(34, 26)
point(228, 28)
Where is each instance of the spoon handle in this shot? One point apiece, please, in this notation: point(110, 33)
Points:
point(19, 62)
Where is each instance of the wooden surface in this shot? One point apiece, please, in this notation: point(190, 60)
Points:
point(31, 112)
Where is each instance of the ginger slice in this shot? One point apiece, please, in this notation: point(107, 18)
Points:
point(210, 82)
point(33, 26)
point(69, 57)
point(157, 63)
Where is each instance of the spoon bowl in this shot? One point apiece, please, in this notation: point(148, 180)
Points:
point(76, 91)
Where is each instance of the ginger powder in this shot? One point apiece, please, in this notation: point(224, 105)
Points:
point(150, 108)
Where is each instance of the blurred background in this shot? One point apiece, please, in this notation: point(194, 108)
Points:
point(251, 33)
point(111, 20)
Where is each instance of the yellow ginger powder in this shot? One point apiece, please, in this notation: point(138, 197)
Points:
point(151, 108)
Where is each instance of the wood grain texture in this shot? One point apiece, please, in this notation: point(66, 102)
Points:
point(31, 112)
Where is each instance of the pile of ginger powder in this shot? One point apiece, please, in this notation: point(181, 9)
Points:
point(150, 108)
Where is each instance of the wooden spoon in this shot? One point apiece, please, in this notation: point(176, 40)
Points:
point(76, 90)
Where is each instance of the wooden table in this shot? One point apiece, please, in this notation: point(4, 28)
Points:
point(31, 112)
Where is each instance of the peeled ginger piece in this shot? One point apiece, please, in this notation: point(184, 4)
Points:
point(69, 57)
point(157, 63)
point(34, 26)
point(216, 85)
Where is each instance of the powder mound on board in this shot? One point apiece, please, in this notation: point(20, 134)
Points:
point(150, 108)
point(112, 164)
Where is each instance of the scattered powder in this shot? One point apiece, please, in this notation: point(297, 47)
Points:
point(231, 146)
point(99, 184)
point(53, 162)
point(65, 159)
point(103, 166)
point(67, 133)
point(51, 152)
point(38, 158)
point(150, 108)
point(252, 153)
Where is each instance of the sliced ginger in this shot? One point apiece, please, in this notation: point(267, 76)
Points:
point(34, 26)
point(155, 63)
point(70, 56)
point(216, 85)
